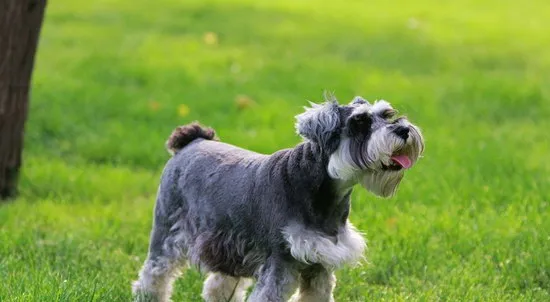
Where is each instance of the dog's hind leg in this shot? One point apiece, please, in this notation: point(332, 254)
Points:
point(276, 282)
point(155, 280)
point(158, 273)
point(219, 287)
point(165, 259)
point(316, 285)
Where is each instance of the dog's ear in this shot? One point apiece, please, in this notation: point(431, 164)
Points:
point(321, 124)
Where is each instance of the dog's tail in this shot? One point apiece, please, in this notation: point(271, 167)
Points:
point(183, 135)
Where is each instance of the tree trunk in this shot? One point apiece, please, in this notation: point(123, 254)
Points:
point(20, 23)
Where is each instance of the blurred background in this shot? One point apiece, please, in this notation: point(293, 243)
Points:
point(114, 77)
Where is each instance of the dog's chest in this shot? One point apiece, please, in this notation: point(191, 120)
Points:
point(310, 246)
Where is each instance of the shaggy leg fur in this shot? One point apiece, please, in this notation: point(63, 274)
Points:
point(276, 282)
point(155, 280)
point(316, 285)
point(159, 270)
point(222, 288)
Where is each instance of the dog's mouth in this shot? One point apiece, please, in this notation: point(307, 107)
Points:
point(398, 162)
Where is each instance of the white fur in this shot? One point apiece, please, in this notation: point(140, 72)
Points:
point(318, 289)
point(363, 108)
point(340, 165)
point(379, 150)
point(155, 280)
point(310, 246)
point(381, 146)
point(223, 288)
point(380, 106)
point(377, 107)
point(383, 184)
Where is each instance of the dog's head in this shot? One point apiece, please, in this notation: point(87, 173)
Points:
point(366, 143)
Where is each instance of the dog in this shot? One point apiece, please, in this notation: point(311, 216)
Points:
point(280, 219)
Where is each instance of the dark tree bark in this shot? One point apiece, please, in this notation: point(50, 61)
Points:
point(20, 23)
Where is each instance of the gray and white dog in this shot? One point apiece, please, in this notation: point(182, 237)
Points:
point(280, 219)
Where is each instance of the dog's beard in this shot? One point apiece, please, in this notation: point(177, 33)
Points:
point(376, 155)
point(382, 183)
point(367, 162)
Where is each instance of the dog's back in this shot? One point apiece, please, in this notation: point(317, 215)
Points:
point(207, 198)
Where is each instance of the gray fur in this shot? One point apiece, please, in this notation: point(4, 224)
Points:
point(240, 214)
point(321, 124)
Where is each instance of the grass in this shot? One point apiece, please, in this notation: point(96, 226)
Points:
point(113, 78)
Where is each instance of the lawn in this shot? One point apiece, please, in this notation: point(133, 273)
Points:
point(113, 77)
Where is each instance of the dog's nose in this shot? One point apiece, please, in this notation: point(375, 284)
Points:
point(402, 132)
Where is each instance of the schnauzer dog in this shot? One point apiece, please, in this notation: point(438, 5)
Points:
point(279, 219)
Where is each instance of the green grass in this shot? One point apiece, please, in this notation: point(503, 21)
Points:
point(470, 223)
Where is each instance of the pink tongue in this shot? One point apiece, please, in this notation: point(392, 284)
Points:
point(402, 160)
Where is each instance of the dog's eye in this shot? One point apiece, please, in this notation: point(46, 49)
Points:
point(359, 123)
point(362, 119)
point(359, 120)
point(388, 113)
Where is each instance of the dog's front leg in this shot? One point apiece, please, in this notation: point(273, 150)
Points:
point(277, 280)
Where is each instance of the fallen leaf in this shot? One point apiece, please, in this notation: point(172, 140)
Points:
point(243, 101)
point(154, 105)
point(210, 38)
point(391, 222)
point(183, 110)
